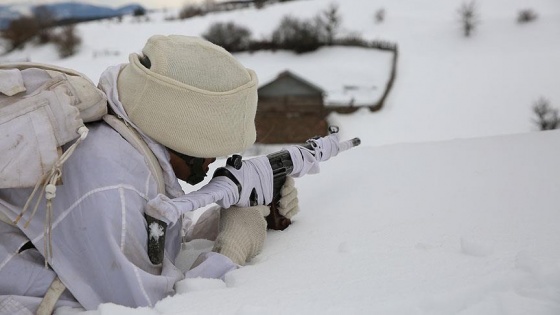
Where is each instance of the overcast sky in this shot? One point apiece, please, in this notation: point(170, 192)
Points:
point(149, 4)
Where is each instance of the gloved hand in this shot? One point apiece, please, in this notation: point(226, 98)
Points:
point(288, 205)
point(242, 233)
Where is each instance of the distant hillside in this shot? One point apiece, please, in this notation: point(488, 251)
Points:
point(65, 11)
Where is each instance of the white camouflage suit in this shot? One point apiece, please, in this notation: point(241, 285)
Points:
point(99, 236)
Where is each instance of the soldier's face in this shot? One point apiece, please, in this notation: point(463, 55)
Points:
point(184, 169)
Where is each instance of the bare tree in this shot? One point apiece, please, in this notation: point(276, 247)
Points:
point(547, 117)
point(297, 35)
point(469, 17)
point(380, 16)
point(67, 41)
point(330, 20)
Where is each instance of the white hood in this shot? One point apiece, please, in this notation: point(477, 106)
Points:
point(108, 84)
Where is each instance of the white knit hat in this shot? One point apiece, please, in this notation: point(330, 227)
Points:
point(194, 98)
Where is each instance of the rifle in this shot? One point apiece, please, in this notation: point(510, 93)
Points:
point(282, 166)
point(256, 181)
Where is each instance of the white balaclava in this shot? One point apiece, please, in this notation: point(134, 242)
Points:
point(191, 96)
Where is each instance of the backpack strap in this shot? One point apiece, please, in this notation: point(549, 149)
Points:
point(54, 292)
point(4, 218)
point(132, 137)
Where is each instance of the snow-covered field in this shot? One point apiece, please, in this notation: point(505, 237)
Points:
point(450, 206)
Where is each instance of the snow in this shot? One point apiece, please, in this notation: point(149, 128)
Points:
point(450, 204)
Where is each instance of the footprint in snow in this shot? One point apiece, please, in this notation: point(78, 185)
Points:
point(475, 248)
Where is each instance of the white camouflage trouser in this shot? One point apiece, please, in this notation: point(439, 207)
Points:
point(22, 297)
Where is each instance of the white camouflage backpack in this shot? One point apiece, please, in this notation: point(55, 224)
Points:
point(42, 108)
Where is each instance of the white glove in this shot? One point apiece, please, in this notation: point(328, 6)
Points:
point(242, 233)
point(288, 205)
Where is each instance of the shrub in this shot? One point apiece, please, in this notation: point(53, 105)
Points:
point(25, 28)
point(259, 4)
point(45, 35)
point(379, 16)
point(67, 41)
point(547, 117)
point(20, 31)
point(264, 44)
point(297, 35)
point(526, 16)
point(230, 36)
point(468, 14)
point(353, 39)
point(139, 11)
point(190, 11)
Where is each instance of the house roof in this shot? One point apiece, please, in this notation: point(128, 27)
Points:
point(288, 74)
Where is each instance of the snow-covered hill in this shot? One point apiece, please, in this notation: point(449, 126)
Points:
point(455, 227)
point(449, 206)
point(447, 86)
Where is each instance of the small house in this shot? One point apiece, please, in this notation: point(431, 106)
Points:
point(290, 110)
